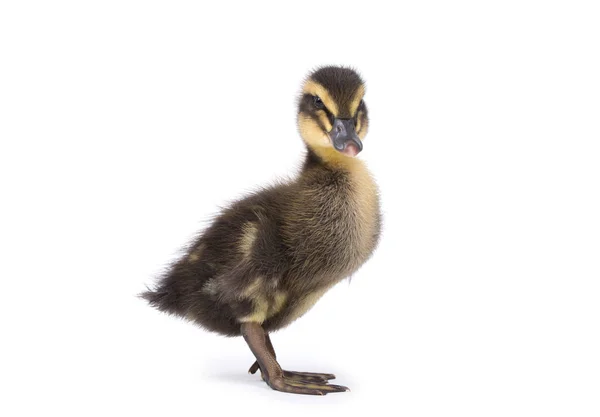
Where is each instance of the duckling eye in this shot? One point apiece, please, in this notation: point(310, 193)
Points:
point(318, 102)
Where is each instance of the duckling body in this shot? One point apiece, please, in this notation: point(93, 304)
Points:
point(266, 259)
point(270, 256)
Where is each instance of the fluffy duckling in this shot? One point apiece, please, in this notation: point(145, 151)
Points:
point(267, 259)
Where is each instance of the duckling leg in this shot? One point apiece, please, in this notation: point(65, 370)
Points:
point(272, 373)
point(300, 376)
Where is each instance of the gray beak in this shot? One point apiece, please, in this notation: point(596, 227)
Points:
point(343, 135)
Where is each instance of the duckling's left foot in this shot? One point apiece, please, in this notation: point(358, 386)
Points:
point(278, 379)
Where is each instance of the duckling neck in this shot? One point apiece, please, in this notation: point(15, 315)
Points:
point(332, 159)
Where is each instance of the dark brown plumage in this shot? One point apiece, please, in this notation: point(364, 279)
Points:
point(266, 259)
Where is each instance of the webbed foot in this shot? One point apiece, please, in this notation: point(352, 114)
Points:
point(298, 386)
point(298, 376)
point(309, 383)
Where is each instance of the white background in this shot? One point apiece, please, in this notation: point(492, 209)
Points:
point(124, 125)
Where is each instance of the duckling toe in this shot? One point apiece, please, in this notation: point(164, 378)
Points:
point(308, 376)
point(298, 376)
point(305, 387)
point(255, 367)
point(284, 385)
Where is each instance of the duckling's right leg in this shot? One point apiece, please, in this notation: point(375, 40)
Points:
point(273, 375)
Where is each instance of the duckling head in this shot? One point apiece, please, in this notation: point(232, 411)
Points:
point(332, 115)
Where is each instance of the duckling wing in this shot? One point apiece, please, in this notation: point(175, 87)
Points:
point(228, 275)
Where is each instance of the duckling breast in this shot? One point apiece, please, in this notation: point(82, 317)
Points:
point(333, 224)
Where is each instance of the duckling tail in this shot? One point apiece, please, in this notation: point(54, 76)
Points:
point(160, 299)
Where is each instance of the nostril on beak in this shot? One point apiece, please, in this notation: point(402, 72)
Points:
point(339, 128)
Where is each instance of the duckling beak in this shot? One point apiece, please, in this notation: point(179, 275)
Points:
point(344, 138)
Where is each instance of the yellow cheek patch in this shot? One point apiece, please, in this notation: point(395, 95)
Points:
point(317, 89)
point(363, 128)
point(362, 124)
point(312, 133)
point(324, 120)
point(358, 96)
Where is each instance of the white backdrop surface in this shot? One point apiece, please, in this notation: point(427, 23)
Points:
point(124, 125)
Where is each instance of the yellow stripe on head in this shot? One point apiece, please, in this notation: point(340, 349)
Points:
point(358, 96)
point(317, 89)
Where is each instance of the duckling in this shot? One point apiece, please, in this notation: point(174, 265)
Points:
point(266, 259)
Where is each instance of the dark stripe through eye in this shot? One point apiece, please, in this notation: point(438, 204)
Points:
point(318, 102)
